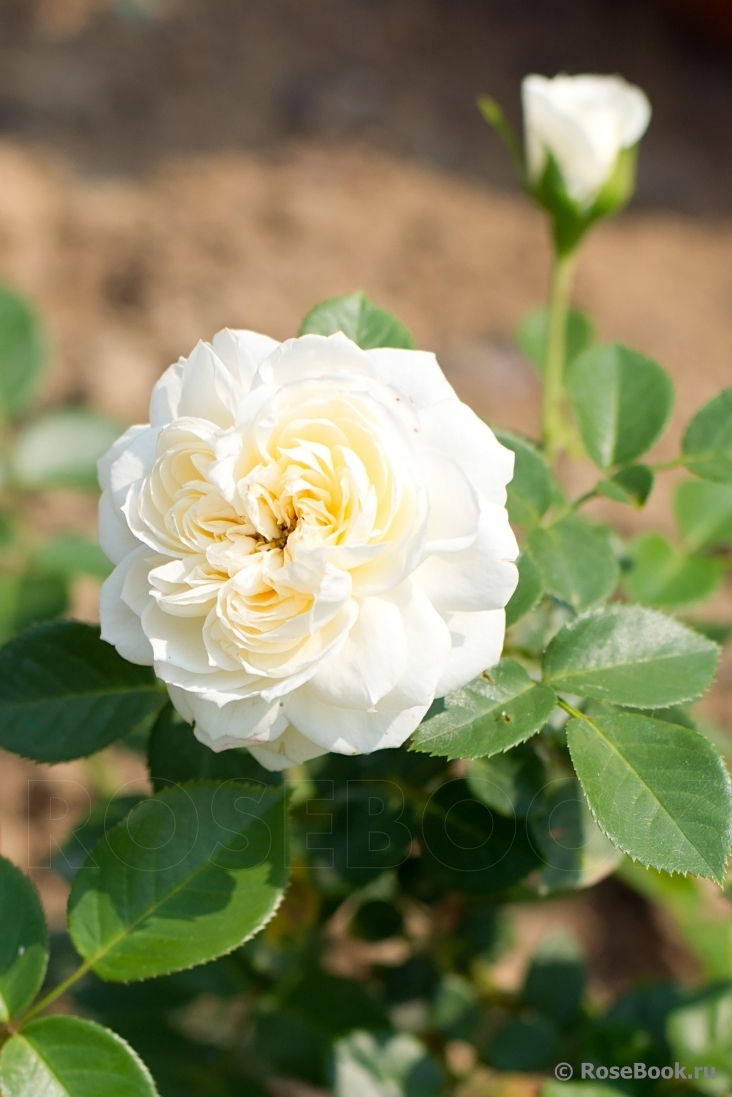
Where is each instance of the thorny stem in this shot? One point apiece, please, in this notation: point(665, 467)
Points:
point(554, 430)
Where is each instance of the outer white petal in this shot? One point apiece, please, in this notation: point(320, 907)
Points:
point(428, 643)
point(454, 505)
point(313, 356)
point(291, 749)
point(166, 395)
point(483, 577)
point(347, 730)
point(104, 464)
point(242, 352)
point(121, 626)
point(115, 537)
point(477, 642)
point(133, 463)
point(455, 430)
point(208, 391)
point(235, 724)
point(371, 661)
point(416, 373)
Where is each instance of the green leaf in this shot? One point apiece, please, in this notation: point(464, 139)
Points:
point(700, 1034)
point(370, 1065)
point(65, 693)
point(497, 710)
point(103, 816)
point(660, 792)
point(67, 1057)
point(707, 442)
point(574, 560)
point(630, 656)
point(175, 756)
point(704, 513)
point(630, 485)
point(527, 593)
point(532, 332)
point(662, 576)
point(22, 354)
point(23, 942)
point(530, 490)
point(358, 318)
point(190, 874)
point(621, 400)
point(62, 449)
point(510, 782)
point(72, 554)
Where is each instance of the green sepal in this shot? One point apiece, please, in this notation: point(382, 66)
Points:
point(360, 319)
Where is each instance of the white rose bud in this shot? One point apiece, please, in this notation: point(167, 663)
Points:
point(311, 543)
point(584, 123)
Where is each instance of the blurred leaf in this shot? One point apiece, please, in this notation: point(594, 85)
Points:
point(377, 920)
point(72, 554)
point(455, 1010)
point(29, 599)
point(660, 792)
point(360, 319)
point(700, 1033)
point(189, 875)
point(663, 577)
point(574, 851)
point(621, 400)
point(175, 756)
point(62, 449)
point(693, 909)
point(22, 354)
point(333, 1005)
point(525, 1045)
point(630, 656)
point(79, 844)
point(527, 593)
point(67, 1057)
point(23, 942)
point(579, 1089)
point(471, 848)
point(497, 710)
point(531, 336)
point(575, 562)
point(704, 513)
point(509, 782)
point(707, 442)
point(530, 489)
point(630, 485)
point(556, 978)
point(65, 694)
point(365, 829)
point(369, 1065)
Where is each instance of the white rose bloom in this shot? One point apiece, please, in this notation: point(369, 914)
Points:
point(584, 122)
point(311, 543)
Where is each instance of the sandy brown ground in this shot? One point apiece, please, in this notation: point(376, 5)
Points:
point(129, 274)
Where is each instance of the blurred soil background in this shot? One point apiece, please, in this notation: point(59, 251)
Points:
point(171, 167)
